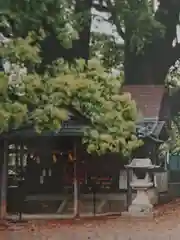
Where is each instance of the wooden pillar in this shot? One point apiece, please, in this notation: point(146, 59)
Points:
point(129, 189)
point(75, 183)
point(4, 178)
point(16, 156)
point(21, 156)
point(21, 187)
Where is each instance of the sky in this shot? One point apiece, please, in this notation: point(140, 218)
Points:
point(101, 26)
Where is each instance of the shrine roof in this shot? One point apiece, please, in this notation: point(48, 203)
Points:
point(68, 128)
point(150, 128)
point(146, 128)
point(148, 99)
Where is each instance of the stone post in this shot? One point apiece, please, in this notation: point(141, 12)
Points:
point(141, 205)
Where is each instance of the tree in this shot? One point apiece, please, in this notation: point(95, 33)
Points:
point(147, 35)
point(45, 100)
point(65, 24)
point(172, 83)
point(151, 37)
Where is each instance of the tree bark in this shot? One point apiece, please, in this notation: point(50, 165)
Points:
point(81, 46)
point(52, 49)
point(152, 65)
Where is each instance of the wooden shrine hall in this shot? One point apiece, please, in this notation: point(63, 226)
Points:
point(52, 173)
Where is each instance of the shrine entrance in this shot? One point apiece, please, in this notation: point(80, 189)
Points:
point(40, 175)
point(49, 175)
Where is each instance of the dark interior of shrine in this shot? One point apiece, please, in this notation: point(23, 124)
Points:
point(39, 166)
point(40, 162)
point(45, 166)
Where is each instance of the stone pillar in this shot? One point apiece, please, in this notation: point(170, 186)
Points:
point(141, 205)
point(142, 184)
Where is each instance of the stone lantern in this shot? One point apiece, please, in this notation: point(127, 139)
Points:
point(142, 182)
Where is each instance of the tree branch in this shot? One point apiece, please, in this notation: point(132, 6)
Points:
point(100, 17)
point(100, 7)
point(115, 20)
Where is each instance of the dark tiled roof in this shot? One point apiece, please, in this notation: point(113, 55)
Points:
point(148, 99)
point(151, 128)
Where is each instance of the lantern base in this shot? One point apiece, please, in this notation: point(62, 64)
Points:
point(141, 205)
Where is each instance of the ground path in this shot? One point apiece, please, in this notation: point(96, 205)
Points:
point(165, 226)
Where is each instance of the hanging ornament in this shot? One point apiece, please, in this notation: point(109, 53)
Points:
point(50, 172)
point(70, 157)
point(38, 160)
point(44, 172)
point(54, 158)
point(41, 179)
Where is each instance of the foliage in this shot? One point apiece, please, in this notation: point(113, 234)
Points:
point(143, 30)
point(172, 82)
point(146, 34)
point(45, 101)
point(175, 139)
point(135, 25)
point(173, 143)
point(135, 22)
point(42, 18)
point(173, 77)
point(108, 50)
point(149, 34)
point(60, 18)
point(95, 94)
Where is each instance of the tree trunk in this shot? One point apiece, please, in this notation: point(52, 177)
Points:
point(52, 49)
point(152, 64)
point(147, 68)
point(81, 46)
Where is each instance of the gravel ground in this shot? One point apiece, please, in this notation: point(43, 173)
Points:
point(113, 230)
point(165, 226)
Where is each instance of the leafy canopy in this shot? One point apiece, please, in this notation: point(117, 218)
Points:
point(42, 18)
point(172, 82)
point(46, 100)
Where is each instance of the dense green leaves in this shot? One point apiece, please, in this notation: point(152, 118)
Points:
point(173, 84)
point(21, 50)
point(55, 16)
point(46, 100)
point(91, 92)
